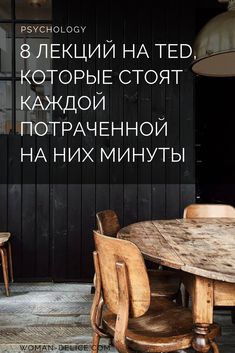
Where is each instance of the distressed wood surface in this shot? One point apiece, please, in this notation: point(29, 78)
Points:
point(162, 283)
point(110, 250)
point(204, 247)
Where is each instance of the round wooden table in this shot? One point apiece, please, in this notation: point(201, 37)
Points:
point(204, 250)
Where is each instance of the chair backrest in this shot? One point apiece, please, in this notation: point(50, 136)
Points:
point(209, 211)
point(108, 223)
point(113, 250)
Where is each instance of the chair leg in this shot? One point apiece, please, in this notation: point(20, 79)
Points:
point(5, 269)
point(214, 347)
point(10, 262)
point(186, 298)
point(179, 298)
point(95, 343)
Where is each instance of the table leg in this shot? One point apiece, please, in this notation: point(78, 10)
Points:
point(202, 301)
point(201, 341)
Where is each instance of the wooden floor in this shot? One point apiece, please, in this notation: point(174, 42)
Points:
point(55, 318)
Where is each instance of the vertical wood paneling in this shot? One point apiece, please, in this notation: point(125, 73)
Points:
point(103, 34)
point(116, 106)
point(158, 111)
point(144, 113)
point(15, 204)
point(187, 136)
point(59, 207)
point(3, 183)
point(130, 106)
point(74, 241)
point(172, 110)
point(43, 216)
point(88, 190)
point(52, 224)
point(28, 198)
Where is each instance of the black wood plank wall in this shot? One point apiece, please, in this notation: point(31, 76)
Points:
point(52, 224)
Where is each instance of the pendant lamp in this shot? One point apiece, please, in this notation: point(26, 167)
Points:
point(214, 47)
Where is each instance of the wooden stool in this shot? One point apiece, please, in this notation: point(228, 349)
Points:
point(6, 257)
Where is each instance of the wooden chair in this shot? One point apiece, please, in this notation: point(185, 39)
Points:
point(108, 223)
point(162, 283)
point(6, 257)
point(130, 316)
point(208, 211)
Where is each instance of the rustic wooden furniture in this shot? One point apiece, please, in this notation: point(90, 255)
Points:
point(108, 223)
point(131, 318)
point(6, 257)
point(204, 250)
point(162, 283)
point(208, 211)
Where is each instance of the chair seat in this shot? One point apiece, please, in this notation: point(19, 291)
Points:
point(4, 237)
point(165, 327)
point(164, 283)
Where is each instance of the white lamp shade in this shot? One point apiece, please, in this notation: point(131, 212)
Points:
point(214, 47)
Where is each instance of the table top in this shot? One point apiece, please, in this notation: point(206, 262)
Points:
point(204, 247)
